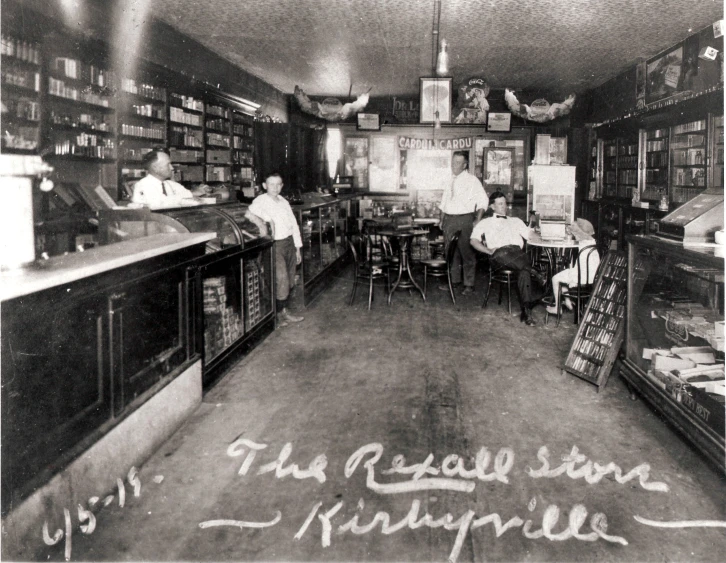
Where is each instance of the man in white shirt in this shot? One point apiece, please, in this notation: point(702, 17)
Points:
point(502, 238)
point(463, 203)
point(271, 208)
point(156, 189)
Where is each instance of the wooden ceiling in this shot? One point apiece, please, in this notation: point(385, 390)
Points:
point(337, 47)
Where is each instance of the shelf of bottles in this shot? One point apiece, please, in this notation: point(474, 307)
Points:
point(594, 183)
point(21, 91)
point(654, 163)
point(610, 168)
point(243, 146)
point(186, 137)
point(81, 106)
point(688, 160)
point(717, 156)
point(627, 168)
point(142, 125)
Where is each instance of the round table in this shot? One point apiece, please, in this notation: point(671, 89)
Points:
point(404, 238)
point(558, 252)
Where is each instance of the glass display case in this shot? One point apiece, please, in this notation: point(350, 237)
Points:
point(674, 349)
point(324, 225)
point(236, 274)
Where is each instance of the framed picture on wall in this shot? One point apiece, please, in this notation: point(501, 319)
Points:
point(497, 170)
point(664, 75)
point(499, 121)
point(368, 122)
point(435, 97)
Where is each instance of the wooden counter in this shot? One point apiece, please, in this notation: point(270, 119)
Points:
point(60, 270)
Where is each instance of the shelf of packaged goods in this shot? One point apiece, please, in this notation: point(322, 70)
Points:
point(78, 157)
point(188, 110)
point(18, 89)
point(141, 139)
point(63, 128)
point(80, 103)
point(215, 130)
point(8, 60)
point(199, 127)
point(127, 115)
point(186, 147)
point(82, 84)
point(130, 96)
point(18, 120)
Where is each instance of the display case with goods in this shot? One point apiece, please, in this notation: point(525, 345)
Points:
point(21, 94)
point(186, 137)
point(324, 227)
point(236, 274)
point(688, 155)
point(141, 126)
point(243, 150)
point(80, 109)
point(674, 344)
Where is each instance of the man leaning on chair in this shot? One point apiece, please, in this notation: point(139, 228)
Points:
point(502, 239)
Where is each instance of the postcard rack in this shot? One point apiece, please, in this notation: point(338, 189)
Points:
point(602, 328)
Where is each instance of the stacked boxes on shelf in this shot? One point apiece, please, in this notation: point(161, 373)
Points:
point(253, 304)
point(222, 323)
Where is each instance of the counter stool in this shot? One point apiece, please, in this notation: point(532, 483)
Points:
point(502, 276)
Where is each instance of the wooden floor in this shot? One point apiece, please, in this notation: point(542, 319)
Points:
point(413, 432)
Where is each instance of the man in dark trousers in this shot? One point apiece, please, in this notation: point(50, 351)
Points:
point(463, 203)
point(502, 238)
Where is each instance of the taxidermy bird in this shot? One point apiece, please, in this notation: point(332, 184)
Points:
point(540, 110)
point(316, 108)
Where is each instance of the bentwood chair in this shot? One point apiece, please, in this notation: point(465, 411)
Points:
point(439, 268)
point(580, 293)
point(368, 267)
point(503, 276)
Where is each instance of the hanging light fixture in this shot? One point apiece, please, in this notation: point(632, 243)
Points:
point(442, 61)
point(437, 120)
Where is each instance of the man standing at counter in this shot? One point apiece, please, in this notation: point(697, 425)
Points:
point(271, 208)
point(462, 204)
point(157, 189)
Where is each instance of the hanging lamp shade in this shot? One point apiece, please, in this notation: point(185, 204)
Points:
point(442, 61)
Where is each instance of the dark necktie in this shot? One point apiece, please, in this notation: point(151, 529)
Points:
point(163, 187)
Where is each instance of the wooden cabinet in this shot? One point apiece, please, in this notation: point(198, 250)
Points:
point(80, 356)
point(243, 150)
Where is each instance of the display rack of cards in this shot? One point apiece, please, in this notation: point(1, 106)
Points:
point(601, 331)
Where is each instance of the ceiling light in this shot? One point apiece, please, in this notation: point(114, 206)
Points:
point(442, 62)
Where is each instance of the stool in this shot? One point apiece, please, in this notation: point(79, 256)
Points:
point(503, 276)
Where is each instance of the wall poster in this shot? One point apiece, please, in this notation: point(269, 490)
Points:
point(356, 161)
point(428, 169)
point(664, 75)
point(383, 169)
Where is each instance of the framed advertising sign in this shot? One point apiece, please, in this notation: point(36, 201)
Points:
point(435, 98)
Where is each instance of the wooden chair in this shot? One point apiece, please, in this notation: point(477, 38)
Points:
point(580, 293)
point(367, 266)
point(503, 276)
point(439, 268)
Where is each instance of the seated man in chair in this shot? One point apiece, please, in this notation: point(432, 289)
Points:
point(502, 238)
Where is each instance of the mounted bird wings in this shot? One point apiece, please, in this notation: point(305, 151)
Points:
point(540, 110)
point(328, 110)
